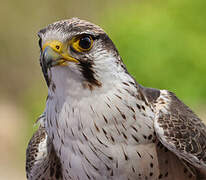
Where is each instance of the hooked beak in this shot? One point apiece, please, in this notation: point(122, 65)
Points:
point(54, 53)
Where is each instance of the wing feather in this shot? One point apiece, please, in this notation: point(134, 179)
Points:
point(41, 159)
point(180, 130)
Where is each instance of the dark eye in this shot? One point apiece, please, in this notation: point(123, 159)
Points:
point(82, 43)
point(85, 42)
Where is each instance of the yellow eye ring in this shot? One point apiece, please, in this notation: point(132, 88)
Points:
point(82, 43)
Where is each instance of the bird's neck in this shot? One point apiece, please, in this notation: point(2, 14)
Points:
point(66, 84)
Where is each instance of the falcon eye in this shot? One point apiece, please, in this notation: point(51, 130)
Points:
point(82, 43)
point(85, 42)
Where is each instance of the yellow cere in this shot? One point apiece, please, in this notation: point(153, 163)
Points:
point(55, 45)
point(61, 50)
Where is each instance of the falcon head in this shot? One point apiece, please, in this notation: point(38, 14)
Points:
point(78, 52)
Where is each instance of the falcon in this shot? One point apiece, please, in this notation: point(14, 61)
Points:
point(99, 123)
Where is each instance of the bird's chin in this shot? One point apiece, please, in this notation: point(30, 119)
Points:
point(61, 63)
point(67, 71)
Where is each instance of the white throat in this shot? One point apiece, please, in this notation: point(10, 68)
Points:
point(68, 81)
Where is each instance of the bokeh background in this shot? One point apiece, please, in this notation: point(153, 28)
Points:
point(163, 44)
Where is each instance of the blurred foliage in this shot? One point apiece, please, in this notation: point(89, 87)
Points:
point(163, 44)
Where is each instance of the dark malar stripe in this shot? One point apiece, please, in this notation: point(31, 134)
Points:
point(88, 72)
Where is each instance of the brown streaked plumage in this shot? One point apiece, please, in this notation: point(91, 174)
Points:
point(41, 159)
point(181, 131)
point(99, 123)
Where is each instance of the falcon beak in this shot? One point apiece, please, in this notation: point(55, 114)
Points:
point(55, 54)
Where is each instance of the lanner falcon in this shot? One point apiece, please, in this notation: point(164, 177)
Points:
point(99, 123)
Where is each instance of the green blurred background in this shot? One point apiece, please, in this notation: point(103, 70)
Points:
point(163, 44)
